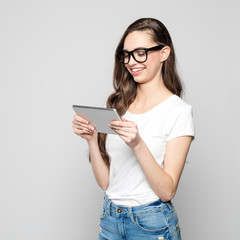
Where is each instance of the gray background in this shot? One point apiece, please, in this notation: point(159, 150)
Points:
point(57, 53)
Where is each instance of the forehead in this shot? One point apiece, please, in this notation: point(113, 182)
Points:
point(138, 39)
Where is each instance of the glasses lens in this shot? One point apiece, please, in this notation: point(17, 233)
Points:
point(123, 57)
point(140, 55)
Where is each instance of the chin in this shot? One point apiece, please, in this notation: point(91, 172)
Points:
point(139, 80)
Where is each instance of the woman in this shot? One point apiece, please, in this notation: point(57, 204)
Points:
point(140, 167)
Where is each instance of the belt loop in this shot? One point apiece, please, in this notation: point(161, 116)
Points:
point(131, 214)
point(108, 208)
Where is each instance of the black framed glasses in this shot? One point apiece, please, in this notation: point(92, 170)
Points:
point(139, 54)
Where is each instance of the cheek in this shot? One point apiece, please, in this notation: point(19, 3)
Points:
point(128, 68)
point(155, 65)
point(158, 67)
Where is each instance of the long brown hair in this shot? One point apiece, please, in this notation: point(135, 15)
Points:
point(123, 83)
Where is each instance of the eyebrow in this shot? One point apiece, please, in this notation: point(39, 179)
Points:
point(133, 49)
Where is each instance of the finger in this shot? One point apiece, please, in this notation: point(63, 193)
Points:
point(84, 125)
point(82, 132)
point(124, 119)
point(126, 130)
point(86, 130)
point(127, 124)
point(129, 127)
point(125, 133)
point(81, 119)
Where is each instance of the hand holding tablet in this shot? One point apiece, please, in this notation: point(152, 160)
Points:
point(98, 117)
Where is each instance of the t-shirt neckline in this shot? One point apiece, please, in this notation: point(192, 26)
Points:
point(153, 108)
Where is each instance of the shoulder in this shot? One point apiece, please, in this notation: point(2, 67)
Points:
point(177, 106)
point(179, 121)
point(179, 103)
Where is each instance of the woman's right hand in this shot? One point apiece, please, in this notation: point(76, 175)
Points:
point(83, 128)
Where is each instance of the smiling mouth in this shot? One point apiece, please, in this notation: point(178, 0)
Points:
point(137, 70)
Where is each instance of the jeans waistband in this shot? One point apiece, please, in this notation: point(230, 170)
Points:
point(118, 210)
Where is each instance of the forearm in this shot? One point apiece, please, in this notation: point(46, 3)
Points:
point(99, 167)
point(160, 181)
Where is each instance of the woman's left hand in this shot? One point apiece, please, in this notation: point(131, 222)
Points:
point(127, 130)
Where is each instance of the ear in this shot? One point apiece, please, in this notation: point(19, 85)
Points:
point(165, 52)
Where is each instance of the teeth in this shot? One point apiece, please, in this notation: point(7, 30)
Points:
point(136, 69)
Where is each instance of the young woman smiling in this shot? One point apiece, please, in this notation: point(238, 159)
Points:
point(140, 167)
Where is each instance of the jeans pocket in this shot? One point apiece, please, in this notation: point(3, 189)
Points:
point(154, 222)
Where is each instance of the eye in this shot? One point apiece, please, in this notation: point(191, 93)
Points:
point(140, 52)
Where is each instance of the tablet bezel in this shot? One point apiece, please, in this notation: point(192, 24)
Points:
point(98, 116)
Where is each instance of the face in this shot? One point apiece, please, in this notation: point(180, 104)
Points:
point(149, 70)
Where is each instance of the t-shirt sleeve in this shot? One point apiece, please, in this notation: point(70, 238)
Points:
point(181, 124)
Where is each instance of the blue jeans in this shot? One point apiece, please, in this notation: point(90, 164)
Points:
point(157, 220)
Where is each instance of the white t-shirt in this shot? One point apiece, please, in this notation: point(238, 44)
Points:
point(128, 185)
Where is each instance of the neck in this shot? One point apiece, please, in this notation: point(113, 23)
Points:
point(151, 91)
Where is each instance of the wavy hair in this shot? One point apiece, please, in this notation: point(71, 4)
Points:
point(124, 85)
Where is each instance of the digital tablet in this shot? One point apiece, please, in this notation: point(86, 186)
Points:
point(98, 117)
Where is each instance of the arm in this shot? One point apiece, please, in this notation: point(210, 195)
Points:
point(163, 181)
point(85, 130)
point(100, 169)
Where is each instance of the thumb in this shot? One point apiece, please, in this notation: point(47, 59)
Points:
point(124, 120)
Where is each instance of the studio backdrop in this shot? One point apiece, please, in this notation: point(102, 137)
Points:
point(54, 54)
